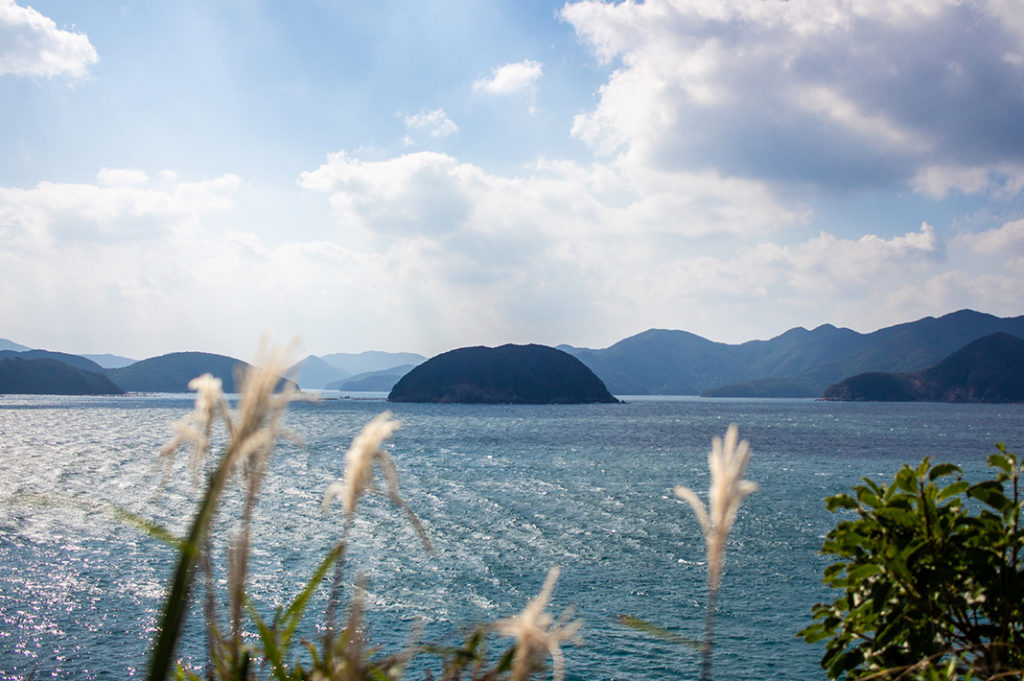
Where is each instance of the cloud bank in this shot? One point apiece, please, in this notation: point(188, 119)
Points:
point(837, 95)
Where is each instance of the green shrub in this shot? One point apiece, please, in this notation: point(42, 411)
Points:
point(931, 575)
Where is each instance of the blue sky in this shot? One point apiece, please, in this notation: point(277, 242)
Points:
point(418, 176)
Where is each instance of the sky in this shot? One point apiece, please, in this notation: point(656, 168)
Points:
point(416, 176)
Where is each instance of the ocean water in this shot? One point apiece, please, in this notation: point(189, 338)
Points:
point(504, 492)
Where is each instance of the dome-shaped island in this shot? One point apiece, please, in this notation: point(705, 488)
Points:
point(509, 374)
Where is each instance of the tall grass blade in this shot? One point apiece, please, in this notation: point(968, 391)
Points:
point(293, 615)
point(659, 632)
point(271, 652)
point(150, 528)
point(176, 605)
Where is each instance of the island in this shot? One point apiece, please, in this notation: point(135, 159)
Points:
point(171, 373)
point(990, 369)
point(47, 376)
point(508, 374)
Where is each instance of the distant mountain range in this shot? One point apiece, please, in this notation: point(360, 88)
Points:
point(108, 361)
point(798, 363)
point(11, 345)
point(111, 374)
point(990, 369)
point(365, 371)
point(373, 381)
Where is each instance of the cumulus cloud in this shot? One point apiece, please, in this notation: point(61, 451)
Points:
point(434, 124)
point(121, 177)
point(430, 195)
point(1007, 239)
point(1002, 181)
point(418, 193)
point(32, 45)
point(839, 95)
point(511, 78)
point(117, 207)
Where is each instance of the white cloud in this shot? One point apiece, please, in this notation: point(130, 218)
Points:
point(565, 250)
point(828, 93)
point(428, 194)
point(116, 208)
point(32, 45)
point(826, 102)
point(434, 123)
point(1006, 240)
point(424, 192)
point(511, 78)
point(121, 177)
point(1003, 181)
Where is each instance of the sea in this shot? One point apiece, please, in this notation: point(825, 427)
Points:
point(504, 492)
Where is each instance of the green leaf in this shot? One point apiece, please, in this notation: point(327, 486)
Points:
point(268, 638)
point(943, 469)
point(868, 498)
point(176, 603)
point(815, 633)
point(990, 493)
point(898, 515)
point(1000, 461)
point(953, 489)
point(922, 576)
point(862, 571)
point(839, 501)
point(119, 513)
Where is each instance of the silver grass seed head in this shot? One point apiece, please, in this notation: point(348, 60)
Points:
point(256, 426)
point(360, 458)
point(727, 461)
point(196, 427)
point(537, 633)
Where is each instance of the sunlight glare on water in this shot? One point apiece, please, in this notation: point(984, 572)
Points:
point(504, 492)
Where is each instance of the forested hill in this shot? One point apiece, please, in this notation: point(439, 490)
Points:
point(76, 361)
point(46, 376)
point(171, 373)
point(990, 369)
point(798, 363)
point(512, 374)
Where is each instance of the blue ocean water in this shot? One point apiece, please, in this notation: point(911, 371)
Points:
point(504, 492)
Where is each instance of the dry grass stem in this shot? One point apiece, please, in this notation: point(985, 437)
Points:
point(537, 634)
point(196, 427)
point(252, 435)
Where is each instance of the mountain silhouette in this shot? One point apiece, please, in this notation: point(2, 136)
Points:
point(990, 369)
point(512, 374)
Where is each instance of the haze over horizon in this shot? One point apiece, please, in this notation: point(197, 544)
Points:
point(420, 176)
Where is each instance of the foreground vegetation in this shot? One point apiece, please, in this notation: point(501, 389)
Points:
point(930, 572)
point(341, 653)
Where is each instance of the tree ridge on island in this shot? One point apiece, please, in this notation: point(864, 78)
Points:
point(508, 374)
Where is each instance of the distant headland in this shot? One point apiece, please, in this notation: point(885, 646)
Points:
point(990, 369)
